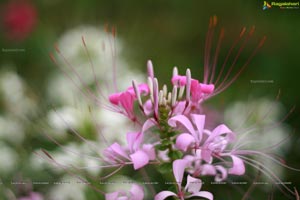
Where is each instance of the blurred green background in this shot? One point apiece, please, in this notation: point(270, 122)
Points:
point(170, 33)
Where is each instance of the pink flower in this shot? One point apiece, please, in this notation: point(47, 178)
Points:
point(135, 193)
point(192, 188)
point(139, 155)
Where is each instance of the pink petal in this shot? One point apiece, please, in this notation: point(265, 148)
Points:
point(238, 166)
point(134, 140)
point(203, 194)
point(207, 88)
point(179, 80)
point(208, 169)
point(148, 124)
point(206, 155)
point(111, 196)
point(118, 150)
point(220, 130)
point(137, 192)
point(126, 101)
point(222, 175)
point(183, 141)
point(36, 196)
point(179, 108)
point(164, 194)
point(150, 151)
point(196, 91)
point(143, 88)
point(148, 107)
point(184, 121)
point(114, 98)
point(193, 185)
point(139, 159)
point(178, 170)
point(199, 121)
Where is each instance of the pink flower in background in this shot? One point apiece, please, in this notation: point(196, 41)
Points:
point(135, 193)
point(32, 196)
point(192, 188)
point(19, 19)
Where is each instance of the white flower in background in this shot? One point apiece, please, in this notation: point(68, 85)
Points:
point(85, 156)
point(8, 159)
point(15, 95)
point(69, 188)
point(11, 130)
point(73, 110)
point(61, 88)
point(18, 105)
point(259, 119)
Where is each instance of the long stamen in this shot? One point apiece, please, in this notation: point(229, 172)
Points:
point(208, 45)
point(237, 56)
point(244, 66)
point(229, 54)
point(221, 36)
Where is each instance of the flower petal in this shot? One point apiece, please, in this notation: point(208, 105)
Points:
point(208, 169)
point(206, 155)
point(199, 121)
point(118, 150)
point(126, 100)
point(179, 80)
point(134, 140)
point(193, 185)
point(184, 121)
point(150, 151)
point(222, 175)
point(163, 195)
point(183, 141)
point(203, 194)
point(207, 88)
point(178, 170)
point(238, 166)
point(114, 98)
point(137, 192)
point(111, 196)
point(148, 124)
point(220, 130)
point(139, 159)
point(148, 107)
